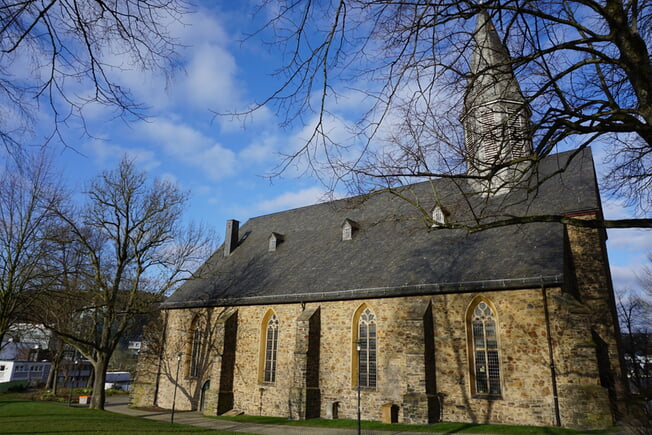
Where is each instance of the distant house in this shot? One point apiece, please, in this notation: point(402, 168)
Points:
point(637, 350)
point(134, 346)
point(301, 312)
point(74, 371)
point(25, 359)
point(25, 363)
point(26, 373)
point(118, 381)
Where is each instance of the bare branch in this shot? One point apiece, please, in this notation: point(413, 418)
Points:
point(583, 68)
point(67, 42)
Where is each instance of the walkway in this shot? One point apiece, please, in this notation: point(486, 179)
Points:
point(120, 404)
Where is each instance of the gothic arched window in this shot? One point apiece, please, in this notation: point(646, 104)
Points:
point(271, 347)
point(485, 370)
point(366, 347)
point(196, 342)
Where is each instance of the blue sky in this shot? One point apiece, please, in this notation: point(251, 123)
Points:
point(223, 161)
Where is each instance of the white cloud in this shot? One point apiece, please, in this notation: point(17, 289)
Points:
point(176, 139)
point(290, 200)
point(260, 118)
point(107, 154)
point(633, 240)
point(217, 162)
point(170, 178)
point(210, 77)
point(202, 76)
point(209, 81)
point(319, 156)
point(627, 247)
point(626, 278)
point(202, 26)
point(192, 148)
point(262, 150)
point(615, 209)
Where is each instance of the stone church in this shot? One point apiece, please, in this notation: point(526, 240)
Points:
point(301, 311)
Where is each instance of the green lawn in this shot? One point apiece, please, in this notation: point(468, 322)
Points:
point(27, 417)
point(18, 416)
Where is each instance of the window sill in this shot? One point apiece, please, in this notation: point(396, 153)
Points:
point(488, 396)
point(368, 389)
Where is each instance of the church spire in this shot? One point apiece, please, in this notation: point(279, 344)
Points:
point(495, 114)
point(491, 72)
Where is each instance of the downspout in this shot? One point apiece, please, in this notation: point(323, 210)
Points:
point(553, 373)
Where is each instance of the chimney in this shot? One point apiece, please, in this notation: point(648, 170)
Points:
point(231, 236)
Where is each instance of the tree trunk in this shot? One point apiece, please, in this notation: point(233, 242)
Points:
point(635, 61)
point(91, 377)
point(99, 371)
point(52, 383)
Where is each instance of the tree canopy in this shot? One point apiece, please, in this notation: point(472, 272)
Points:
point(117, 255)
point(28, 195)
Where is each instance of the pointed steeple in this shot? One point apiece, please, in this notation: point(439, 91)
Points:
point(496, 115)
point(491, 72)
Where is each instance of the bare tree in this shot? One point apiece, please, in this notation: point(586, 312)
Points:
point(28, 193)
point(635, 317)
point(128, 247)
point(634, 313)
point(62, 55)
point(583, 69)
point(645, 280)
point(57, 350)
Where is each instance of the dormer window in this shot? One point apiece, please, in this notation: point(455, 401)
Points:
point(348, 228)
point(275, 239)
point(438, 216)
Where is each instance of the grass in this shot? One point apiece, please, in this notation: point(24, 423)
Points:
point(28, 417)
point(432, 428)
point(20, 416)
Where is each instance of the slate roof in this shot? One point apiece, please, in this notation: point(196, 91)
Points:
point(393, 252)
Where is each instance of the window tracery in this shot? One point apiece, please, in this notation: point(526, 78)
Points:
point(484, 347)
point(271, 349)
point(367, 353)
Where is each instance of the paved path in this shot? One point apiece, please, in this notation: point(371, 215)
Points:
point(120, 404)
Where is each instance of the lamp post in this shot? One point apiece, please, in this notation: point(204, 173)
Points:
point(69, 386)
point(358, 349)
point(71, 381)
point(176, 384)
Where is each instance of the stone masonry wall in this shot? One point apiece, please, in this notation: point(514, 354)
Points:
point(583, 402)
point(527, 391)
point(524, 360)
point(589, 257)
point(143, 389)
point(175, 362)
